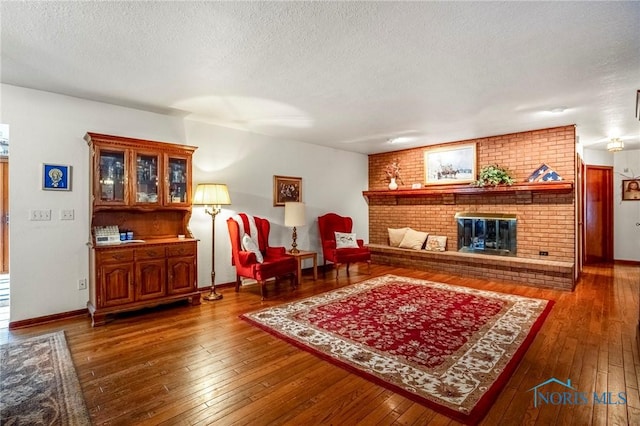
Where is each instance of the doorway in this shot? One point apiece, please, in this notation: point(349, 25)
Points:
point(598, 214)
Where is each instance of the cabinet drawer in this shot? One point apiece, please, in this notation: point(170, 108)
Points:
point(150, 253)
point(181, 250)
point(115, 256)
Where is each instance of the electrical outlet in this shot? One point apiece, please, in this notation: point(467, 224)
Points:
point(82, 284)
point(543, 253)
point(39, 214)
point(67, 214)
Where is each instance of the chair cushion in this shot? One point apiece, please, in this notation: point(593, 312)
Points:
point(346, 240)
point(249, 244)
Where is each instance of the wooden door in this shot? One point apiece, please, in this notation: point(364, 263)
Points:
point(4, 215)
point(599, 214)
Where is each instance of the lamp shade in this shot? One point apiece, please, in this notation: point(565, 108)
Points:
point(615, 145)
point(294, 214)
point(211, 194)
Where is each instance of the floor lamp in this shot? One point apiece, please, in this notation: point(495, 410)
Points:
point(212, 196)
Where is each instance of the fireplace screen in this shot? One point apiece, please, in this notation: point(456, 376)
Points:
point(487, 233)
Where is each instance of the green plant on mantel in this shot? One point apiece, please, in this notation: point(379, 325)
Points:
point(493, 175)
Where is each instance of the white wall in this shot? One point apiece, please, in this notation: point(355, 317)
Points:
point(48, 258)
point(626, 214)
point(332, 180)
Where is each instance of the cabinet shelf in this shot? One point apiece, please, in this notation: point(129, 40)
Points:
point(558, 187)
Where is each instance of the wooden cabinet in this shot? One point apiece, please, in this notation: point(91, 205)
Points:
point(144, 187)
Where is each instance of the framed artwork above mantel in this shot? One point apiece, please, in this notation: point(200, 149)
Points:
point(450, 164)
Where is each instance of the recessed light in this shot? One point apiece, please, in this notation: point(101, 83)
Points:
point(558, 110)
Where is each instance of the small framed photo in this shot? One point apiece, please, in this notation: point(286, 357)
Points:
point(286, 188)
point(450, 164)
point(631, 190)
point(56, 177)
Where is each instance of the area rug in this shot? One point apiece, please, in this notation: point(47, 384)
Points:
point(450, 348)
point(38, 383)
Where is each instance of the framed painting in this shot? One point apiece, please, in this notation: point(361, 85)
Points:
point(631, 190)
point(285, 189)
point(56, 177)
point(446, 165)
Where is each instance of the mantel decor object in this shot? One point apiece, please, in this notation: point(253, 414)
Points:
point(392, 172)
point(450, 164)
point(212, 196)
point(493, 175)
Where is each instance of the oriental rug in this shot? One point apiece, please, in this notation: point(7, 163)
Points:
point(450, 348)
point(38, 383)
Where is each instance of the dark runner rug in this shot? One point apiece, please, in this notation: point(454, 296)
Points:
point(450, 348)
point(38, 383)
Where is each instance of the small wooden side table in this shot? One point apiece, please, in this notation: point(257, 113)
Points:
point(300, 256)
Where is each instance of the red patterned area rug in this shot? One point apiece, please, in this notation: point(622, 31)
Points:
point(448, 347)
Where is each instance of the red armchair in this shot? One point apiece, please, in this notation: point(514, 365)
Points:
point(276, 263)
point(331, 223)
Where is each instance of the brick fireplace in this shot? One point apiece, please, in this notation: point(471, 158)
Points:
point(545, 218)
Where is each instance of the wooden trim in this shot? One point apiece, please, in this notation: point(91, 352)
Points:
point(47, 319)
point(558, 187)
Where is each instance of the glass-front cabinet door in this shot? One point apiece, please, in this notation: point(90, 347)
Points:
point(111, 185)
point(146, 183)
point(178, 180)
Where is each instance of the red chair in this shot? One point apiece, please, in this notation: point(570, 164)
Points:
point(331, 223)
point(276, 262)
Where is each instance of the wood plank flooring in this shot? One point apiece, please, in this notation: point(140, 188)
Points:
point(183, 365)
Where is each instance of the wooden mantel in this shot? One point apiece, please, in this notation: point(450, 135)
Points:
point(451, 190)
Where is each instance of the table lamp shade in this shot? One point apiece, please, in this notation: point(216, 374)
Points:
point(211, 194)
point(294, 214)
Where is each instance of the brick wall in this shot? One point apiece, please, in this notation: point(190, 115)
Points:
point(546, 221)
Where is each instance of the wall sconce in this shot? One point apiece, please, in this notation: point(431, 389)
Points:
point(615, 145)
point(294, 216)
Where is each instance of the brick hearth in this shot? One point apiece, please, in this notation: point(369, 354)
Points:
point(546, 219)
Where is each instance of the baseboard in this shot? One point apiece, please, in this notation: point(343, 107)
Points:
point(627, 262)
point(47, 318)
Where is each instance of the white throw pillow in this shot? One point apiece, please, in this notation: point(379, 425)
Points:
point(436, 243)
point(346, 240)
point(249, 244)
point(413, 239)
point(396, 235)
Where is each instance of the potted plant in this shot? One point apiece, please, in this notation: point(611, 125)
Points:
point(493, 175)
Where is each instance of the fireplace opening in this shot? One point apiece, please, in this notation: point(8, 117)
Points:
point(487, 233)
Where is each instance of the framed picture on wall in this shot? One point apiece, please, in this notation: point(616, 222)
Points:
point(454, 164)
point(286, 188)
point(631, 190)
point(56, 177)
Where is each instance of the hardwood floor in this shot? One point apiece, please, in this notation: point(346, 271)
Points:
point(203, 365)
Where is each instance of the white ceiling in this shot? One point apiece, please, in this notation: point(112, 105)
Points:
point(349, 75)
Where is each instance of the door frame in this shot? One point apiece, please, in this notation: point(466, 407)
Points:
point(607, 209)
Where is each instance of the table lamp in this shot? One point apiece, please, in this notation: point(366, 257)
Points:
point(294, 216)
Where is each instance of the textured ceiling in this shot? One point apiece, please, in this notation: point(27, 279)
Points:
point(349, 75)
